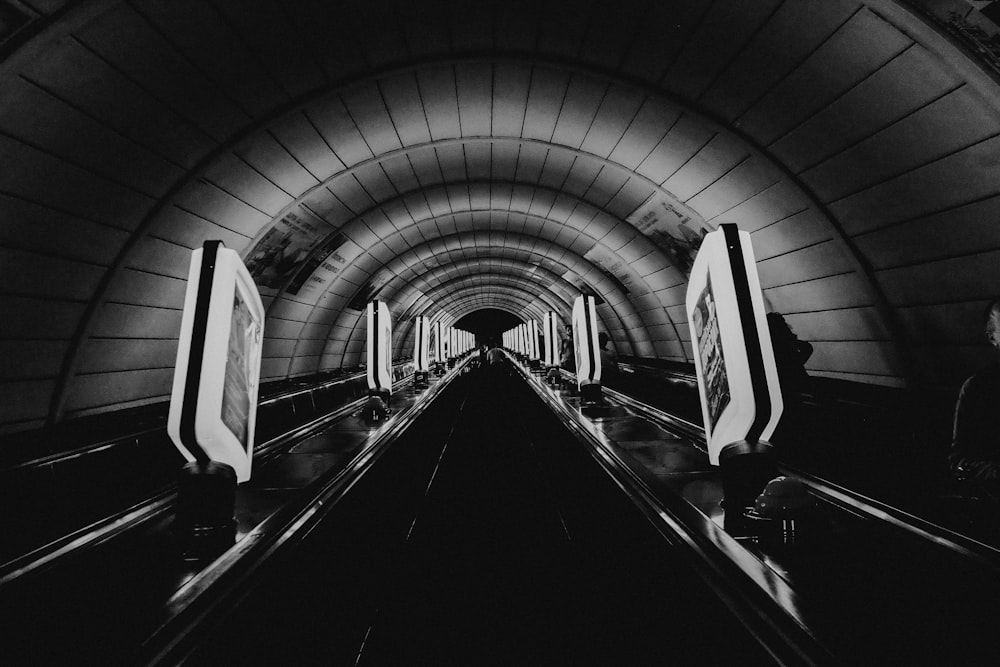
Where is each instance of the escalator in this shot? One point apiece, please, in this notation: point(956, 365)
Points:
point(486, 535)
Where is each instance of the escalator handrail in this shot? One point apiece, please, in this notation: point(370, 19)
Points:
point(108, 443)
point(326, 384)
point(761, 599)
point(102, 530)
point(208, 592)
point(833, 493)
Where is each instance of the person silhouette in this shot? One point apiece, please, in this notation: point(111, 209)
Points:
point(975, 443)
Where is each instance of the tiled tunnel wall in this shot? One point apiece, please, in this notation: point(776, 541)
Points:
point(446, 143)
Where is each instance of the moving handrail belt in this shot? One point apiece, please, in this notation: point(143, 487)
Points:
point(209, 591)
point(848, 523)
point(763, 602)
point(833, 493)
point(162, 500)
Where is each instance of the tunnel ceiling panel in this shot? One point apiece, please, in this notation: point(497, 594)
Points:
point(423, 151)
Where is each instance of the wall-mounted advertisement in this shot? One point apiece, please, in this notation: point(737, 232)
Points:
point(324, 266)
point(370, 289)
point(284, 248)
point(611, 265)
point(672, 227)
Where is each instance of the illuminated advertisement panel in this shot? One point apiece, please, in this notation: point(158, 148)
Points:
point(421, 357)
point(438, 343)
point(533, 338)
point(705, 325)
point(236, 385)
point(379, 347)
point(588, 356)
point(734, 361)
point(551, 339)
point(213, 403)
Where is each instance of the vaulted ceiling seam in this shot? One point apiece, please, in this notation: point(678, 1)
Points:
point(81, 332)
point(549, 247)
point(599, 282)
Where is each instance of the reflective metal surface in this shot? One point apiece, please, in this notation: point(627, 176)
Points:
point(323, 482)
point(863, 582)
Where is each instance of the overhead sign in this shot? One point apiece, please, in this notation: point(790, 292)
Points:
point(379, 347)
point(588, 355)
point(737, 377)
point(213, 405)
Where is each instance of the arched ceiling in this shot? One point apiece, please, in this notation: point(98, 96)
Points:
point(449, 156)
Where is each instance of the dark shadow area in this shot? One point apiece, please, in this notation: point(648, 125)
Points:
point(488, 324)
point(487, 536)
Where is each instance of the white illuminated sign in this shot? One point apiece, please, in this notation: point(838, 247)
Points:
point(438, 342)
point(533, 339)
point(551, 339)
point(379, 349)
point(213, 404)
point(588, 355)
point(421, 356)
point(737, 377)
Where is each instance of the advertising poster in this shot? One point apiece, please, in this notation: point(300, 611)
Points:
point(369, 290)
point(244, 334)
point(672, 227)
point(713, 364)
point(323, 267)
point(284, 248)
point(610, 265)
point(387, 350)
point(580, 346)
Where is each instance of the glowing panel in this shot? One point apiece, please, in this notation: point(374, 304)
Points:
point(551, 334)
point(737, 378)
point(588, 355)
point(421, 354)
point(533, 339)
point(379, 347)
point(438, 342)
point(213, 405)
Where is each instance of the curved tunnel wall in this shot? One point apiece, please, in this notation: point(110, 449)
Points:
point(858, 145)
